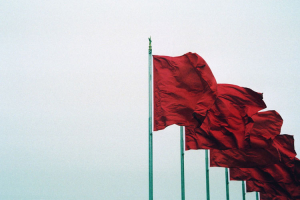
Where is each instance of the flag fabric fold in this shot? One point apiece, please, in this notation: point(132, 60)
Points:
point(182, 85)
point(265, 127)
point(224, 126)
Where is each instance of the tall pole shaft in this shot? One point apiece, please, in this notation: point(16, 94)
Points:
point(182, 163)
point(150, 124)
point(227, 183)
point(207, 175)
point(243, 190)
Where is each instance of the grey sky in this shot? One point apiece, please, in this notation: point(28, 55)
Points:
point(74, 90)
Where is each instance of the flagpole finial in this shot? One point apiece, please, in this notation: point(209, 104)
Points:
point(150, 45)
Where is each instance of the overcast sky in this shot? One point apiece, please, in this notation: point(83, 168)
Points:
point(74, 90)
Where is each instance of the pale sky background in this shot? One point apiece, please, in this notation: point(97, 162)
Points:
point(74, 90)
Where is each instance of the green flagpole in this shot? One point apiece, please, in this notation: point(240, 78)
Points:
point(243, 189)
point(182, 163)
point(207, 175)
point(257, 196)
point(150, 125)
point(227, 183)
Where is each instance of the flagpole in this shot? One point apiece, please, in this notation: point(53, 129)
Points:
point(182, 163)
point(207, 175)
point(257, 196)
point(227, 183)
point(150, 124)
point(243, 189)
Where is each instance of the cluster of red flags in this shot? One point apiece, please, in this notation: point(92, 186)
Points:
point(228, 120)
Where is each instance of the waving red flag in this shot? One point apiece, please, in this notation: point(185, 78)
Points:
point(182, 85)
point(266, 188)
point(244, 158)
point(281, 148)
point(281, 177)
point(281, 173)
point(264, 196)
point(288, 190)
point(224, 126)
point(265, 127)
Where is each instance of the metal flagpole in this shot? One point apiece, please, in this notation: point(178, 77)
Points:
point(207, 175)
point(243, 189)
point(150, 125)
point(182, 163)
point(227, 183)
point(257, 196)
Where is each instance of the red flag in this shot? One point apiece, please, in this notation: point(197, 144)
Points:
point(281, 148)
point(224, 126)
point(243, 158)
point(266, 188)
point(288, 190)
point(281, 173)
point(265, 127)
point(285, 145)
point(281, 177)
point(182, 85)
point(264, 196)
